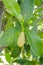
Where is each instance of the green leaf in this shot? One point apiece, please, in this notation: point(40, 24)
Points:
point(35, 42)
point(19, 1)
point(9, 24)
point(16, 51)
point(18, 25)
point(41, 60)
point(21, 61)
point(8, 37)
point(13, 7)
point(27, 9)
point(40, 33)
point(7, 55)
point(27, 47)
point(37, 2)
point(27, 50)
point(29, 63)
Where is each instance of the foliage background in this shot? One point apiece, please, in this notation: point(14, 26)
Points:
point(22, 25)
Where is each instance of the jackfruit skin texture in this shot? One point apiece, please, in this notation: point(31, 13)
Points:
point(21, 39)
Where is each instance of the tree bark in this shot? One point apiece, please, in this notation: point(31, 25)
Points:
point(1, 16)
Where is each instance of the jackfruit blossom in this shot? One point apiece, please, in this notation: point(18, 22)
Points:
point(21, 39)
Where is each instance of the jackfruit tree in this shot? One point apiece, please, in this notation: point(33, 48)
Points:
point(21, 31)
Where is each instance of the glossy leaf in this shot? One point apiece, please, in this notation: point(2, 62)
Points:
point(13, 7)
point(35, 42)
point(7, 37)
point(27, 9)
